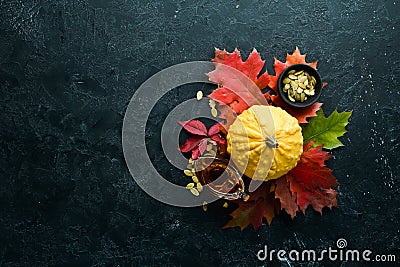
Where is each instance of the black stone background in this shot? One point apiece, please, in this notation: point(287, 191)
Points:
point(67, 72)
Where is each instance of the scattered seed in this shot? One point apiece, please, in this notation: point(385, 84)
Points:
point(194, 192)
point(205, 206)
point(199, 187)
point(191, 160)
point(195, 179)
point(189, 166)
point(214, 112)
point(225, 205)
point(189, 185)
point(211, 103)
point(188, 173)
point(199, 95)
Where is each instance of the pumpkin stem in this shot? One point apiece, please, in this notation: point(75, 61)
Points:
point(270, 140)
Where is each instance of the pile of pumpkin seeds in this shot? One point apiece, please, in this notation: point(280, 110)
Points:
point(195, 186)
point(299, 85)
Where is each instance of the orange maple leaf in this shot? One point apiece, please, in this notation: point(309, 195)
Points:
point(279, 67)
point(238, 91)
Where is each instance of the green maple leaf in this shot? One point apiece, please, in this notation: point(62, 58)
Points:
point(325, 131)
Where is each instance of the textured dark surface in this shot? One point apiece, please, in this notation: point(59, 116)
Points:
point(68, 70)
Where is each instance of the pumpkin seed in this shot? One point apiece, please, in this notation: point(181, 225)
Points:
point(188, 173)
point(286, 80)
point(302, 79)
point(199, 95)
point(292, 77)
point(291, 98)
point(195, 179)
point(302, 97)
point(299, 90)
point(302, 85)
point(305, 82)
point(211, 103)
point(214, 112)
point(292, 71)
point(299, 72)
point(194, 192)
point(189, 185)
point(294, 85)
point(199, 187)
point(205, 206)
point(312, 92)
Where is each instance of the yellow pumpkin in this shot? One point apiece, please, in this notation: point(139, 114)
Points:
point(265, 142)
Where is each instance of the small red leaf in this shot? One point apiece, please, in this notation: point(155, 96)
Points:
point(196, 153)
point(217, 138)
point(191, 143)
point(194, 127)
point(214, 129)
point(203, 146)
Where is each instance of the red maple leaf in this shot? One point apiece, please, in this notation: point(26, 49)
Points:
point(279, 67)
point(197, 143)
point(240, 81)
point(261, 205)
point(310, 183)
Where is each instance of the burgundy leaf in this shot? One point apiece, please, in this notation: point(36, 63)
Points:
point(191, 143)
point(194, 127)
